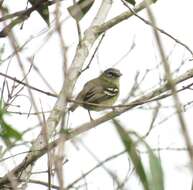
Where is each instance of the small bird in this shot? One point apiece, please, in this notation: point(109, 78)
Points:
point(99, 92)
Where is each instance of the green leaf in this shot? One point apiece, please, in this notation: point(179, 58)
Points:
point(156, 177)
point(131, 2)
point(42, 10)
point(7, 132)
point(2, 50)
point(132, 152)
point(156, 180)
point(79, 10)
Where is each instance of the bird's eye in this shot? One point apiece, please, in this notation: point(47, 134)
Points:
point(110, 74)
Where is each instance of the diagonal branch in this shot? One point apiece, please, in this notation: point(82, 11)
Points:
point(158, 29)
point(82, 51)
point(59, 108)
point(27, 11)
point(172, 85)
point(37, 153)
point(27, 85)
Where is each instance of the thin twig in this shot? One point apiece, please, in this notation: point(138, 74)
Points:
point(172, 85)
point(78, 27)
point(26, 11)
point(27, 85)
point(94, 168)
point(158, 29)
point(93, 55)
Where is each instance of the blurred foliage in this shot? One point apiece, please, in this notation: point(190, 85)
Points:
point(42, 10)
point(8, 28)
point(151, 178)
point(79, 9)
point(2, 50)
point(131, 1)
point(7, 133)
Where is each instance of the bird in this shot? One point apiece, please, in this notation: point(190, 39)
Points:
point(99, 93)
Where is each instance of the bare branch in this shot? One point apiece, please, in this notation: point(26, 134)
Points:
point(172, 85)
point(159, 29)
point(27, 85)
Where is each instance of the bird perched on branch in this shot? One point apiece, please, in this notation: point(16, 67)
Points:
point(99, 93)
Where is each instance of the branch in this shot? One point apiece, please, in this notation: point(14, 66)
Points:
point(158, 29)
point(27, 85)
point(21, 16)
point(37, 153)
point(172, 85)
point(59, 108)
point(124, 16)
point(26, 11)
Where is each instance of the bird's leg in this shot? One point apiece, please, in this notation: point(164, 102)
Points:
point(91, 119)
point(115, 109)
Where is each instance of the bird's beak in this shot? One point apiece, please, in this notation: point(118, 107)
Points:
point(119, 74)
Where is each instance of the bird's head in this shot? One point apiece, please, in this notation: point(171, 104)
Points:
point(111, 74)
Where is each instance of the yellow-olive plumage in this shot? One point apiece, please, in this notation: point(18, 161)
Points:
point(102, 91)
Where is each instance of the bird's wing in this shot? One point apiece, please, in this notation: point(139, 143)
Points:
point(97, 93)
point(80, 97)
point(94, 92)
